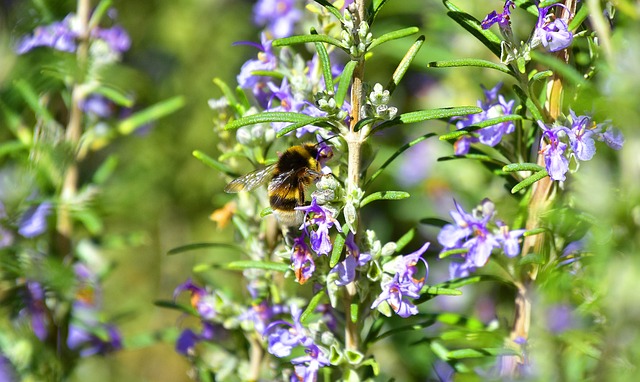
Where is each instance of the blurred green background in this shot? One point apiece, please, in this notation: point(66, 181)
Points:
point(161, 197)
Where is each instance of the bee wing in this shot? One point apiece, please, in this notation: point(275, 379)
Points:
point(251, 180)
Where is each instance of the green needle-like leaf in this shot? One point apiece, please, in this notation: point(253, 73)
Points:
point(150, 114)
point(345, 81)
point(471, 24)
point(425, 115)
point(196, 246)
point(479, 353)
point(480, 125)
point(312, 305)
point(296, 126)
point(272, 116)
point(451, 252)
point(336, 252)
point(250, 264)
point(204, 158)
point(474, 62)
point(395, 155)
point(522, 167)
point(404, 64)
point(393, 36)
point(568, 72)
point(331, 8)
point(529, 181)
point(384, 195)
point(325, 63)
point(313, 38)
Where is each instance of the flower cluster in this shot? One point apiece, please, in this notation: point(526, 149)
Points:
point(478, 234)
point(403, 285)
point(63, 36)
point(574, 139)
point(493, 106)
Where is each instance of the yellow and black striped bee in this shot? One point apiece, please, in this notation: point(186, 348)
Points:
point(297, 168)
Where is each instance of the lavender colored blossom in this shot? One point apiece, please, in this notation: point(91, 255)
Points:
point(555, 160)
point(261, 314)
point(404, 286)
point(279, 16)
point(100, 339)
point(493, 106)
point(322, 219)
point(307, 366)
point(581, 136)
point(479, 236)
point(346, 269)
point(35, 309)
point(284, 336)
point(58, 35)
point(7, 370)
point(266, 60)
point(116, 37)
point(188, 338)
point(502, 19)
point(560, 318)
point(612, 136)
point(201, 299)
point(97, 105)
point(34, 222)
point(302, 260)
point(551, 32)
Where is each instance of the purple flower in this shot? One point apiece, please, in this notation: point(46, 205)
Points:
point(188, 338)
point(509, 240)
point(34, 222)
point(346, 269)
point(201, 299)
point(493, 106)
point(502, 19)
point(581, 136)
point(7, 370)
point(322, 218)
point(35, 309)
point(58, 35)
point(97, 105)
point(552, 32)
point(307, 366)
point(397, 294)
point(555, 161)
point(404, 285)
point(560, 318)
point(279, 16)
point(116, 37)
point(612, 136)
point(261, 314)
point(266, 60)
point(99, 339)
point(302, 260)
point(286, 336)
point(470, 232)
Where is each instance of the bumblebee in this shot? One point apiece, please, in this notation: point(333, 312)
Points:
point(297, 168)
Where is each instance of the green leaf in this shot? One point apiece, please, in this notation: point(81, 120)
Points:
point(451, 252)
point(99, 11)
point(540, 76)
point(395, 155)
point(331, 8)
point(527, 5)
point(315, 300)
point(226, 91)
point(393, 36)
point(531, 258)
point(405, 239)
point(404, 64)
point(325, 63)
point(459, 282)
point(384, 195)
point(524, 99)
point(406, 328)
point(338, 245)
point(9, 147)
point(150, 114)
point(436, 222)
point(33, 100)
point(529, 181)
point(425, 115)
point(480, 125)
point(567, 72)
point(297, 125)
point(313, 38)
point(434, 291)
point(480, 157)
point(250, 264)
point(475, 62)
point(479, 353)
point(522, 167)
point(207, 160)
point(471, 24)
point(374, 8)
point(105, 170)
point(345, 81)
point(90, 220)
point(196, 246)
point(268, 73)
point(267, 211)
point(172, 305)
point(579, 17)
point(271, 116)
point(115, 95)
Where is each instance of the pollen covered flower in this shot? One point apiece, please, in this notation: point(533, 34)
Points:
point(302, 260)
point(322, 219)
